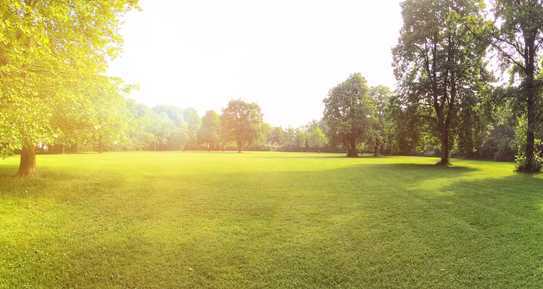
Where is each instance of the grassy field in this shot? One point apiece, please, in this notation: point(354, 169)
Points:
point(268, 220)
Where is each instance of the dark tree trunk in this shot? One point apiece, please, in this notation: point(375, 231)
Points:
point(351, 149)
point(239, 146)
point(530, 165)
point(27, 164)
point(444, 147)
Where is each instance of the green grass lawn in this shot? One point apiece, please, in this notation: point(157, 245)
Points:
point(268, 220)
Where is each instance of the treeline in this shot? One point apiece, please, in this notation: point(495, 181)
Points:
point(134, 126)
point(470, 76)
point(358, 118)
point(469, 85)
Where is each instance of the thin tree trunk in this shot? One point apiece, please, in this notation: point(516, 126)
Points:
point(27, 164)
point(530, 165)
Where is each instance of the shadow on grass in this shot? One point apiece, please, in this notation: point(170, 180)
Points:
point(313, 155)
point(411, 167)
point(517, 194)
point(317, 228)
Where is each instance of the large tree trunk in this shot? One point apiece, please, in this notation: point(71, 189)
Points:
point(530, 165)
point(27, 164)
point(351, 149)
point(444, 147)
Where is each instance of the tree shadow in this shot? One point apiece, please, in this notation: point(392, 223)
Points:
point(428, 167)
point(376, 222)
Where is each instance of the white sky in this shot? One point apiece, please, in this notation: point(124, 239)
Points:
point(282, 54)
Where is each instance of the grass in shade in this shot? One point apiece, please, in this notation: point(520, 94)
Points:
point(268, 220)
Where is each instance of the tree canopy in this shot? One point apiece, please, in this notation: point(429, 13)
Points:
point(348, 112)
point(241, 122)
point(439, 59)
point(53, 54)
point(518, 38)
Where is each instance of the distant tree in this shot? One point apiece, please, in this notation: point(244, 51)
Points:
point(174, 113)
point(381, 97)
point(348, 112)
point(518, 38)
point(277, 137)
point(439, 58)
point(263, 136)
point(474, 120)
point(159, 128)
point(192, 122)
point(301, 140)
point(241, 123)
point(404, 119)
point(210, 131)
point(316, 138)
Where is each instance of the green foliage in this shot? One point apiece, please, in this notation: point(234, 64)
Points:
point(439, 60)
point(349, 111)
point(381, 135)
point(210, 131)
point(241, 123)
point(316, 138)
point(162, 127)
point(277, 137)
point(53, 56)
point(403, 125)
point(521, 130)
point(518, 38)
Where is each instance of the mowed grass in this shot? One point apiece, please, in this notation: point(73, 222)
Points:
point(268, 220)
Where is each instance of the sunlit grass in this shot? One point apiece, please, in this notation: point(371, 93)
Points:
point(268, 220)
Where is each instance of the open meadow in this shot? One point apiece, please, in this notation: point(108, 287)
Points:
point(268, 220)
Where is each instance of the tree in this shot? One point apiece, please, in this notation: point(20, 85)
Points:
point(347, 113)
point(316, 138)
point(277, 137)
point(301, 141)
point(263, 136)
point(518, 38)
point(241, 122)
point(381, 96)
point(439, 58)
point(209, 133)
point(192, 121)
point(45, 60)
point(159, 128)
point(405, 119)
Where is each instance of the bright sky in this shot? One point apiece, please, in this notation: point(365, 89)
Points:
point(282, 54)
